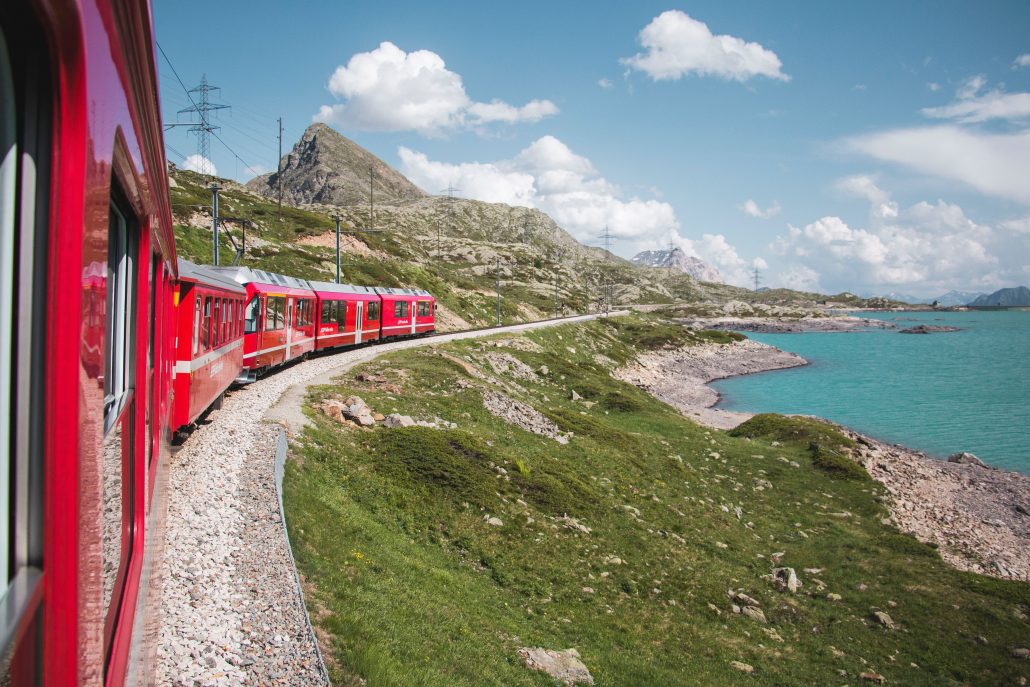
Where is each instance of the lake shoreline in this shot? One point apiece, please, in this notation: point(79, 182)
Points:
point(977, 517)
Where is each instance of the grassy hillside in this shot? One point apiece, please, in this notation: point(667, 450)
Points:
point(626, 543)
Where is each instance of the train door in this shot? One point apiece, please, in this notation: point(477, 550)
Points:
point(413, 308)
point(289, 327)
point(357, 321)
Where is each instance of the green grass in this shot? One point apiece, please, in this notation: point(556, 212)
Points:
point(409, 584)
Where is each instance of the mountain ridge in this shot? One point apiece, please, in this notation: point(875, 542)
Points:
point(677, 259)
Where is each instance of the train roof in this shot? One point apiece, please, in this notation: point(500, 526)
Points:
point(207, 275)
point(245, 275)
point(383, 291)
point(333, 287)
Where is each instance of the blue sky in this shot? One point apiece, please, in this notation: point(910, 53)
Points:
point(883, 146)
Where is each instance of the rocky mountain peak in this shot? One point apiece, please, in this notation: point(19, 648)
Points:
point(328, 168)
point(679, 261)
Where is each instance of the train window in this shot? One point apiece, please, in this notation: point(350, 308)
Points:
point(341, 314)
point(205, 329)
point(270, 314)
point(215, 326)
point(372, 313)
point(119, 377)
point(25, 153)
point(400, 309)
point(252, 315)
point(275, 313)
point(423, 308)
point(328, 313)
point(224, 329)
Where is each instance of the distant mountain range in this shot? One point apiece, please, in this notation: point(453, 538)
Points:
point(677, 260)
point(1017, 296)
point(948, 300)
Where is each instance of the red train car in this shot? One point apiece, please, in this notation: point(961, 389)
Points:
point(279, 319)
point(209, 340)
point(87, 267)
point(347, 315)
point(407, 312)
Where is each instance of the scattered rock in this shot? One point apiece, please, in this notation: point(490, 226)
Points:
point(742, 667)
point(575, 396)
point(522, 415)
point(884, 619)
point(834, 597)
point(875, 678)
point(786, 580)
point(494, 521)
point(564, 666)
point(754, 613)
point(394, 420)
point(1020, 652)
point(966, 458)
point(572, 524)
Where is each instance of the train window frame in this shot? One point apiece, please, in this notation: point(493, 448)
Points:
point(8, 241)
point(205, 327)
point(252, 315)
point(341, 314)
point(400, 309)
point(197, 318)
point(423, 309)
point(119, 364)
point(372, 311)
point(25, 115)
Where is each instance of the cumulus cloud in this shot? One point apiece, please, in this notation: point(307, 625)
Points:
point(752, 209)
point(997, 164)
point(388, 89)
point(200, 164)
point(549, 176)
point(929, 247)
point(1019, 225)
point(800, 278)
point(677, 45)
point(862, 186)
point(1021, 61)
point(974, 106)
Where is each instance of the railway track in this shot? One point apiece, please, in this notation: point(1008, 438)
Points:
point(231, 613)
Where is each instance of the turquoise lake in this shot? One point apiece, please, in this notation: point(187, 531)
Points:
point(939, 393)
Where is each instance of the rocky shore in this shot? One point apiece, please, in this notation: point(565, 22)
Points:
point(787, 325)
point(680, 377)
point(978, 517)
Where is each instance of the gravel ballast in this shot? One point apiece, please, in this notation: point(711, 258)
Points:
point(231, 613)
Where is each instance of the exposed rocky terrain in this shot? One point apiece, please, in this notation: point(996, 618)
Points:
point(677, 260)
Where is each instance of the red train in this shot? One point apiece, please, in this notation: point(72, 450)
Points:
point(108, 343)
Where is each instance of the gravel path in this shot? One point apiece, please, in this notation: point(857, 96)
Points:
point(230, 613)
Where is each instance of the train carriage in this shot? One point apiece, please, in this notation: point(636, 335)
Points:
point(407, 312)
point(279, 319)
point(87, 265)
point(348, 315)
point(209, 340)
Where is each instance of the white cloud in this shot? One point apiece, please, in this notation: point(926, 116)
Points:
point(862, 186)
point(549, 176)
point(970, 87)
point(251, 171)
point(800, 278)
point(715, 250)
point(994, 164)
point(1021, 61)
point(199, 163)
point(388, 89)
point(752, 209)
point(933, 86)
point(928, 248)
point(994, 104)
point(677, 45)
point(1020, 225)
point(604, 82)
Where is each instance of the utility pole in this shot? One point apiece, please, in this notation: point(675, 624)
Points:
point(204, 128)
point(498, 290)
point(756, 278)
point(607, 237)
point(557, 264)
point(214, 222)
point(279, 179)
point(337, 217)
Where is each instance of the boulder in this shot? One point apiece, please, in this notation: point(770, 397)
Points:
point(754, 613)
point(884, 619)
point(742, 667)
point(394, 420)
point(928, 329)
point(364, 420)
point(786, 580)
point(965, 458)
point(575, 396)
point(564, 666)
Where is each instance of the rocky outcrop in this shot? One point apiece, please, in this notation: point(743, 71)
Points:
point(522, 415)
point(678, 261)
point(327, 167)
point(564, 666)
point(928, 329)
